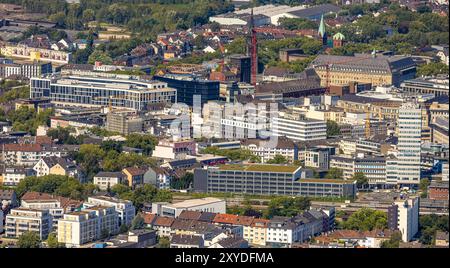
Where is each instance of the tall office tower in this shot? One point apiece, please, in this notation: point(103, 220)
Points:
point(409, 141)
point(244, 65)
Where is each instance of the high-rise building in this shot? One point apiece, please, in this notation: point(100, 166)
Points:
point(409, 144)
point(403, 215)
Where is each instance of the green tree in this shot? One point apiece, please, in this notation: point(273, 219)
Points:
point(163, 242)
point(123, 228)
point(278, 159)
point(104, 234)
point(29, 240)
point(334, 174)
point(333, 129)
point(366, 219)
point(100, 56)
point(393, 242)
point(137, 223)
point(432, 69)
point(287, 206)
point(52, 241)
point(361, 179)
point(145, 142)
point(423, 186)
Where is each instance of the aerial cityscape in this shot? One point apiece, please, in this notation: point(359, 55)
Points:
point(226, 124)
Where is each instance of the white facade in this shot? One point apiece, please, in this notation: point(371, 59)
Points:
point(124, 208)
point(21, 220)
point(13, 176)
point(299, 129)
point(208, 204)
point(409, 144)
point(78, 228)
point(103, 181)
point(53, 207)
point(408, 218)
point(267, 153)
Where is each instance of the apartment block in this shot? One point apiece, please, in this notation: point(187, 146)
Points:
point(105, 180)
point(208, 204)
point(87, 225)
point(403, 215)
point(124, 208)
point(21, 220)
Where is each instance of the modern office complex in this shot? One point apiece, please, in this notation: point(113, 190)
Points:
point(187, 86)
point(96, 91)
point(409, 144)
point(428, 85)
point(268, 180)
point(124, 122)
point(299, 129)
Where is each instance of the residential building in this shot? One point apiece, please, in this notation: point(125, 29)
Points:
point(268, 180)
point(124, 208)
point(105, 180)
point(257, 233)
point(438, 190)
point(58, 166)
point(96, 91)
point(162, 225)
point(26, 52)
point(187, 86)
point(124, 122)
point(186, 241)
point(56, 205)
point(11, 176)
point(160, 177)
point(441, 239)
point(263, 149)
point(29, 154)
point(390, 70)
point(168, 149)
point(208, 204)
point(231, 242)
point(409, 144)
point(299, 129)
point(134, 176)
point(316, 157)
point(87, 225)
point(25, 69)
point(8, 198)
point(21, 220)
point(403, 215)
point(354, 146)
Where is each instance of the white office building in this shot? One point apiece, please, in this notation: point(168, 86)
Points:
point(208, 204)
point(124, 208)
point(445, 171)
point(409, 144)
point(299, 129)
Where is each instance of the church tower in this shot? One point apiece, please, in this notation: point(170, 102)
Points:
point(322, 32)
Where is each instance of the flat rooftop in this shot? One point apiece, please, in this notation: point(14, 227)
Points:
point(196, 202)
point(260, 168)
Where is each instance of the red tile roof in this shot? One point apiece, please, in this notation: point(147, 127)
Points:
point(65, 202)
point(163, 221)
point(22, 147)
point(149, 218)
point(225, 218)
point(244, 220)
point(134, 171)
